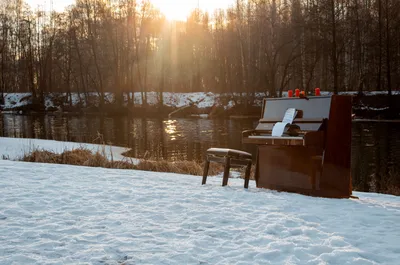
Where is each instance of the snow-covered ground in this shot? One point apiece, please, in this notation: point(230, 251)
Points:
point(59, 214)
point(16, 148)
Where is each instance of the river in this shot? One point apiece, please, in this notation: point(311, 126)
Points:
point(375, 146)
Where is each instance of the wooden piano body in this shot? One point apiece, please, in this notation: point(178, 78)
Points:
point(315, 162)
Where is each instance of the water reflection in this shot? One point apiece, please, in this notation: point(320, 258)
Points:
point(171, 129)
point(375, 146)
point(375, 157)
point(175, 139)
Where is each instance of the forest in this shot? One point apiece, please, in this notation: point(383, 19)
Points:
point(125, 46)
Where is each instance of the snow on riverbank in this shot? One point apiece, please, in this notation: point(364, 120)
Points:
point(201, 99)
point(14, 100)
point(58, 214)
point(204, 100)
point(16, 148)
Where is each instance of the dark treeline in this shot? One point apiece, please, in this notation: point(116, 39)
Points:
point(123, 46)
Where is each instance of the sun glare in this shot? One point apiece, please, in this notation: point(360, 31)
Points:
point(181, 9)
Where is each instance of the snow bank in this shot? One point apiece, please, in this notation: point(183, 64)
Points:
point(204, 100)
point(16, 148)
point(58, 214)
point(201, 99)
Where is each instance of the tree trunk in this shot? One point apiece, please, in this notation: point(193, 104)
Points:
point(379, 84)
point(334, 49)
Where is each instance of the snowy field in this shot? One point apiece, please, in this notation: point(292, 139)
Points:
point(16, 148)
point(59, 214)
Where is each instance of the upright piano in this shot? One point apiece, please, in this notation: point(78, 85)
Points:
point(313, 156)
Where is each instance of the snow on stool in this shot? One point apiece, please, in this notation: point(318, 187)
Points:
point(228, 157)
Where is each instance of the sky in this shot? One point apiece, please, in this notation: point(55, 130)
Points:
point(58, 5)
point(173, 9)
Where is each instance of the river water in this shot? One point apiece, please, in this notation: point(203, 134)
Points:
point(375, 146)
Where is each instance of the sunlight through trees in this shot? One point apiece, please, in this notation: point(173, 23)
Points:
point(270, 46)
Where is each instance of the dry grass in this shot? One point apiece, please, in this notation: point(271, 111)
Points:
point(180, 167)
point(84, 157)
point(392, 184)
point(388, 184)
point(77, 157)
point(252, 172)
point(42, 156)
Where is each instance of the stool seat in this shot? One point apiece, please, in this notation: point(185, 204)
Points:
point(229, 152)
point(228, 157)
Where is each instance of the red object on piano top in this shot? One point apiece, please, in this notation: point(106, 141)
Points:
point(290, 93)
point(318, 92)
point(297, 92)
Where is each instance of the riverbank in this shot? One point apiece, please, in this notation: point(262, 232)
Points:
point(172, 104)
point(17, 148)
point(93, 155)
point(377, 106)
point(370, 105)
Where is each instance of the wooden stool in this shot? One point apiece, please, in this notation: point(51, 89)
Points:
point(228, 157)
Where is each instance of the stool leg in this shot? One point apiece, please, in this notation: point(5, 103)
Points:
point(205, 172)
point(247, 176)
point(226, 171)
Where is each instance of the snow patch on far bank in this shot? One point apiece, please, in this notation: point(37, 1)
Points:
point(176, 100)
point(15, 100)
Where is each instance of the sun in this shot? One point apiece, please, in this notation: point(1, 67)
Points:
point(175, 9)
point(181, 9)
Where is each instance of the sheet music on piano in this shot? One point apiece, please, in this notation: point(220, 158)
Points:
point(279, 127)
